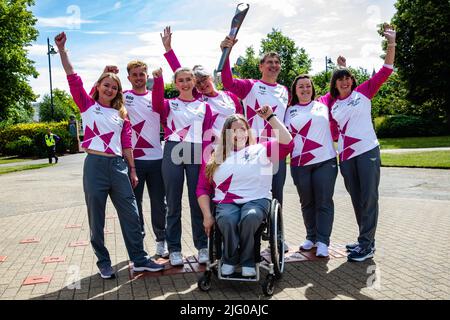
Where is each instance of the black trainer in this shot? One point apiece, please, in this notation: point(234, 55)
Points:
point(359, 254)
point(352, 246)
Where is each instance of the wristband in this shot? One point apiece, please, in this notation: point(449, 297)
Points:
point(270, 117)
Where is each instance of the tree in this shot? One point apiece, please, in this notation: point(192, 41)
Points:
point(423, 44)
point(63, 105)
point(294, 61)
point(16, 34)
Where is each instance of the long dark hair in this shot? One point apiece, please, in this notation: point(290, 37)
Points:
point(339, 74)
point(294, 98)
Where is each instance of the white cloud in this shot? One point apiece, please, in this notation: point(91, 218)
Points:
point(37, 50)
point(117, 5)
point(62, 22)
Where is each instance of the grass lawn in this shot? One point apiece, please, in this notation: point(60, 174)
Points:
point(415, 142)
point(432, 159)
point(4, 170)
point(4, 160)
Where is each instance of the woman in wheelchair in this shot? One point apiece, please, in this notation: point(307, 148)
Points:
point(238, 178)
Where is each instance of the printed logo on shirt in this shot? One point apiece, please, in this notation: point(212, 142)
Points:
point(293, 113)
point(262, 89)
point(98, 110)
point(355, 102)
point(129, 98)
point(174, 106)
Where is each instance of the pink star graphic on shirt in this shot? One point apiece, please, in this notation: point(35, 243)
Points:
point(181, 133)
point(251, 113)
point(308, 144)
point(90, 134)
point(224, 187)
point(347, 142)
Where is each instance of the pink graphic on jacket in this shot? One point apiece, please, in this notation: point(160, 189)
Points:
point(348, 141)
point(90, 134)
point(173, 130)
point(308, 145)
point(224, 187)
point(141, 142)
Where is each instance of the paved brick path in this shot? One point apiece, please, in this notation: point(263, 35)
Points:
point(411, 262)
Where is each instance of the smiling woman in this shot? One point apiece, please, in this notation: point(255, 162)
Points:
point(107, 140)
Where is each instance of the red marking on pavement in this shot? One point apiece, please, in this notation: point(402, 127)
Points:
point(72, 226)
point(53, 259)
point(3, 258)
point(81, 243)
point(36, 280)
point(30, 240)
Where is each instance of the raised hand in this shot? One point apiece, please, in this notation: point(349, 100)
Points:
point(60, 41)
point(228, 42)
point(166, 38)
point(389, 33)
point(111, 69)
point(157, 73)
point(341, 61)
point(264, 112)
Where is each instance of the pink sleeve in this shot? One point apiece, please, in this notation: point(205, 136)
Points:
point(326, 100)
point(237, 103)
point(204, 187)
point(329, 101)
point(207, 134)
point(370, 87)
point(126, 134)
point(79, 95)
point(160, 104)
point(283, 149)
point(240, 87)
point(172, 60)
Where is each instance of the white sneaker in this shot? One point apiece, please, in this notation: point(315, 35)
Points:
point(161, 249)
point(307, 245)
point(322, 250)
point(227, 269)
point(203, 255)
point(176, 258)
point(248, 272)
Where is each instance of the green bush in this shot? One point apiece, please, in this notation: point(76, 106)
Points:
point(23, 146)
point(35, 132)
point(407, 126)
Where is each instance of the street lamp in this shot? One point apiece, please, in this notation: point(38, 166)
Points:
point(327, 62)
point(50, 51)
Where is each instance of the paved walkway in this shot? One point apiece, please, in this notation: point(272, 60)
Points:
point(47, 205)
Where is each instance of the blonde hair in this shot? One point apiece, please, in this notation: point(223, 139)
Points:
point(117, 102)
point(180, 70)
point(226, 145)
point(136, 64)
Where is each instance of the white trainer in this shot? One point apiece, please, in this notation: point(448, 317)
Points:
point(248, 272)
point(176, 258)
point(322, 250)
point(307, 245)
point(227, 269)
point(203, 255)
point(161, 249)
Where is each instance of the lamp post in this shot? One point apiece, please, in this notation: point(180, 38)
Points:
point(50, 51)
point(327, 62)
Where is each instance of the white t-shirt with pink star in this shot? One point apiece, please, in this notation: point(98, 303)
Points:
point(255, 94)
point(145, 125)
point(104, 129)
point(310, 128)
point(354, 118)
point(245, 175)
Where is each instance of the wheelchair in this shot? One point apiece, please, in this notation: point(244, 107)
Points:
point(270, 230)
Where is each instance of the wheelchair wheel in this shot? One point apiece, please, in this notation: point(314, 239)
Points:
point(204, 283)
point(268, 285)
point(276, 235)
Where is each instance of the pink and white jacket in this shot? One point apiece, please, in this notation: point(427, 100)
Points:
point(245, 175)
point(104, 129)
point(353, 116)
point(255, 94)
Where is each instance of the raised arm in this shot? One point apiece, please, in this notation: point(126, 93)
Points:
point(240, 87)
point(266, 112)
point(390, 35)
point(166, 38)
point(60, 41)
point(160, 105)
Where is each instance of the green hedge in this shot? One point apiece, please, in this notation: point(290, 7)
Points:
point(407, 126)
point(15, 140)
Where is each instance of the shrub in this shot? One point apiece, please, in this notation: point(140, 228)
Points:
point(23, 146)
point(35, 132)
point(407, 126)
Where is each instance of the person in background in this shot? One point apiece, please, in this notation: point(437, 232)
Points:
point(50, 141)
point(73, 132)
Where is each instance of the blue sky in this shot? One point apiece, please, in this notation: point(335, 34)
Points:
point(114, 32)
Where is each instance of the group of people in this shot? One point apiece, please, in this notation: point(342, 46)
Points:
point(233, 157)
